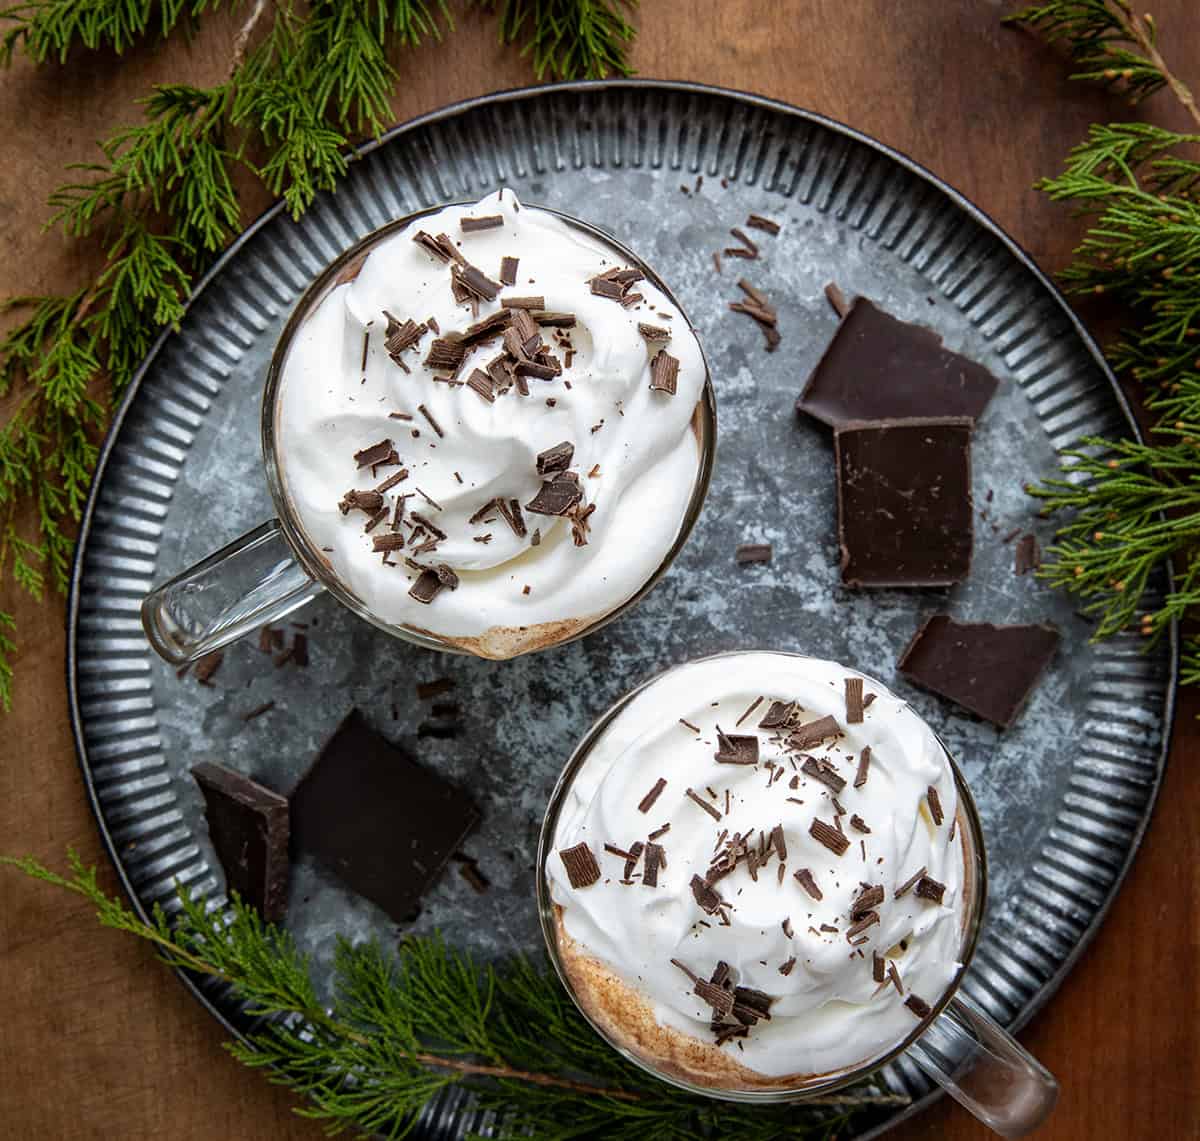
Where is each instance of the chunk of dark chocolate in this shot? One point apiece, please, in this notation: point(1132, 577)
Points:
point(374, 817)
point(582, 869)
point(879, 368)
point(556, 496)
point(664, 372)
point(904, 502)
point(557, 458)
point(248, 825)
point(988, 670)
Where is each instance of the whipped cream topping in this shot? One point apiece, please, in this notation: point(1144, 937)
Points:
point(636, 454)
point(827, 1012)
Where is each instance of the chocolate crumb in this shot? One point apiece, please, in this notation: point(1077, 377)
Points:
point(207, 666)
point(854, 696)
point(786, 968)
point(864, 767)
point(582, 869)
point(693, 728)
point(787, 927)
point(858, 824)
point(752, 553)
point(767, 225)
point(834, 840)
point(837, 299)
point(647, 801)
point(918, 1006)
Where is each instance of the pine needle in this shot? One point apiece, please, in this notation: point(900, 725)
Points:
point(400, 1028)
point(569, 39)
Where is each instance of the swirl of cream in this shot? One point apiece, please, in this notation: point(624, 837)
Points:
point(636, 450)
point(828, 1012)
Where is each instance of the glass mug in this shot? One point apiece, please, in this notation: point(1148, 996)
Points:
point(957, 1044)
point(275, 569)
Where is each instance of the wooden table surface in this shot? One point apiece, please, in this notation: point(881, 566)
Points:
point(99, 1041)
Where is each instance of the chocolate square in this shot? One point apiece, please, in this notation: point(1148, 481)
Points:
point(988, 670)
point(383, 823)
point(248, 826)
point(904, 502)
point(879, 368)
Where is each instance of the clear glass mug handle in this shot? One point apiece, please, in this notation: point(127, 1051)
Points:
point(989, 1073)
point(251, 582)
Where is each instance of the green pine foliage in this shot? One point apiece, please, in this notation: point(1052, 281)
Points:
point(161, 203)
point(1129, 508)
point(401, 1028)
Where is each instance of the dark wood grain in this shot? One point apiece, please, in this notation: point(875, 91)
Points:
point(98, 1041)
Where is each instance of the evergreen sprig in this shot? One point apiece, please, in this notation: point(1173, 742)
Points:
point(401, 1028)
point(1131, 507)
point(162, 203)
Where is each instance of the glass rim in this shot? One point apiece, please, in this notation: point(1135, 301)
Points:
point(547, 917)
point(704, 417)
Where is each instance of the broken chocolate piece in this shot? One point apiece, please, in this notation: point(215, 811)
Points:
point(248, 825)
point(854, 700)
point(381, 453)
point(382, 823)
point(508, 270)
point(664, 372)
point(720, 999)
point(557, 458)
point(655, 859)
point(988, 670)
point(207, 666)
point(582, 869)
point(446, 354)
point(736, 749)
point(837, 301)
point(1026, 556)
point(557, 496)
point(778, 714)
point(935, 804)
point(654, 332)
point(909, 883)
point(859, 825)
point(918, 1006)
point(867, 900)
point(647, 801)
point(480, 382)
point(693, 796)
point(878, 967)
point(441, 247)
point(524, 303)
point(427, 587)
point(752, 553)
point(833, 839)
point(824, 772)
point(704, 895)
point(904, 502)
point(767, 225)
point(864, 767)
point(879, 368)
point(474, 282)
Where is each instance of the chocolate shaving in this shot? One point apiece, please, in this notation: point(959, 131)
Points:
point(604, 287)
point(721, 1000)
point(556, 496)
point(909, 884)
point(427, 587)
point(380, 453)
point(376, 519)
point(864, 767)
point(647, 801)
point(894, 976)
point(878, 967)
point(523, 303)
point(557, 458)
point(777, 841)
point(744, 238)
point(428, 524)
point(834, 840)
point(935, 804)
point(704, 895)
point(859, 825)
point(656, 858)
point(767, 225)
point(1027, 557)
point(555, 320)
point(693, 728)
point(208, 665)
point(401, 335)
point(805, 879)
point(867, 900)
point(480, 382)
point(736, 749)
point(750, 1005)
point(837, 299)
point(806, 736)
point(631, 859)
point(918, 1006)
point(488, 329)
point(854, 696)
point(786, 967)
point(258, 711)
point(508, 270)
point(778, 714)
point(664, 372)
point(432, 422)
point(474, 282)
point(392, 542)
point(752, 553)
point(441, 247)
point(686, 970)
point(392, 480)
point(486, 222)
point(857, 928)
point(929, 888)
point(787, 927)
point(713, 812)
point(659, 832)
point(446, 354)
point(654, 332)
point(753, 706)
point(468, 868)
point(582, 869)
point(824, 772)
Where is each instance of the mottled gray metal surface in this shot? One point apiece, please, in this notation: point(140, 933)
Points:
point(1063, 795)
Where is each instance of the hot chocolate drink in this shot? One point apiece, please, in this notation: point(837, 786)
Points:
point(757, 873)
point(491, 428)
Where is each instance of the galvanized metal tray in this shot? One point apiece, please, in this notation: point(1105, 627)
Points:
point(668, 168)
